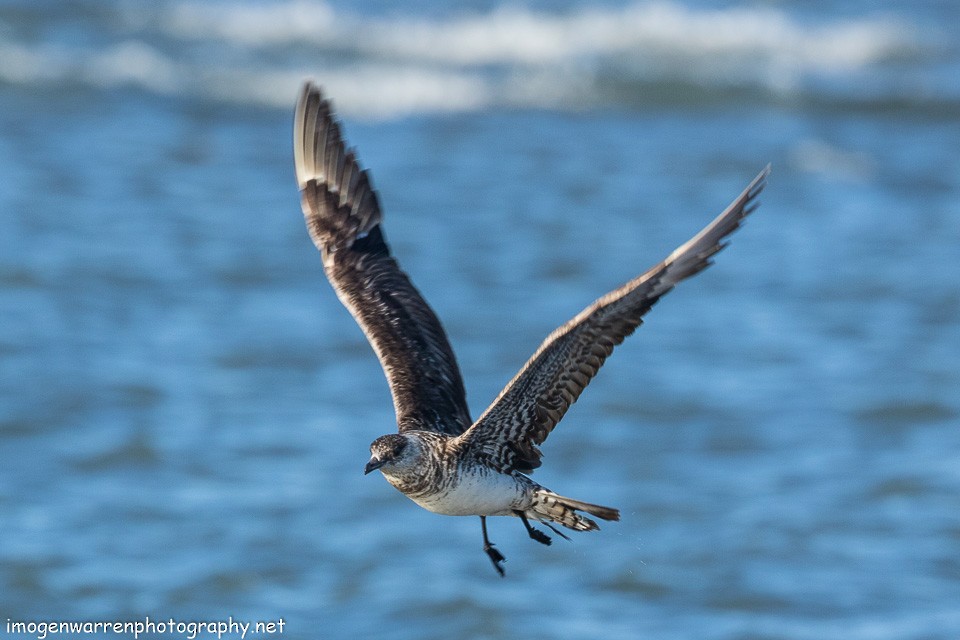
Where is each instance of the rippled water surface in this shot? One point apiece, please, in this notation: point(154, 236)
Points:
point(185, 407)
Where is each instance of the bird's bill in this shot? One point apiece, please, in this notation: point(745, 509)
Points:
point(373, 465)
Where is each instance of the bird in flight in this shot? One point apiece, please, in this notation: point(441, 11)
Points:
point(440, 458)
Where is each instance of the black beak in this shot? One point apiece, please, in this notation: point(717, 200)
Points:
point(373, 465)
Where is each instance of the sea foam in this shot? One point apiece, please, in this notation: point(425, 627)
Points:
point(389, 65)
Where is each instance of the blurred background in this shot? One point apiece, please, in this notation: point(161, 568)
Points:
point(185, 407)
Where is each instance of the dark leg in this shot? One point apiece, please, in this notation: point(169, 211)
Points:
point(556, 531)
point(495, 556)
point(536, 534)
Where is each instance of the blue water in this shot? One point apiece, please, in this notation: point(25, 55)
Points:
point(185, 407)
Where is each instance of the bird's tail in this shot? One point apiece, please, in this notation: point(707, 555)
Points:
point(548, 506)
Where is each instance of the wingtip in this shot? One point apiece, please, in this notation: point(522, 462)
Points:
point(308, 88)
point(748, 199)
point(760, 181)
point(310, 100)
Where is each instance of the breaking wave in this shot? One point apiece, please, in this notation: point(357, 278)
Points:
point(384, 66)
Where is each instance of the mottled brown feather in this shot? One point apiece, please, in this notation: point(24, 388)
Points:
point(530, 406)
point(343, 217)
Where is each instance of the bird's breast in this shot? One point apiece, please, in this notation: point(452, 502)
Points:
point(473, 492)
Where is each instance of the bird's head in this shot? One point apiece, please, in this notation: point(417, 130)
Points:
point(394, 452)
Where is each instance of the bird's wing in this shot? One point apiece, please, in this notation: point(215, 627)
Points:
point(343, 216)
point(530, 406)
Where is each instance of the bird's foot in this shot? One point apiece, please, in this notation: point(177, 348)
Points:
point(495, 557)
point(540, 536)
point(536, 534)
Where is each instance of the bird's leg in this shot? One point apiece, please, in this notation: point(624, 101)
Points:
point(555, 530)
point(495, 556)
point(536, 534)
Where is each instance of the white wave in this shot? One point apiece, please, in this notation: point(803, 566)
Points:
point(820, 157)
point(659, 28)
point(515, 56)
point(20, 65)
point(255, 24)
point(136, 63)
point(380, 67)
point(124, 63)
point(516, 35)
point(367, 91)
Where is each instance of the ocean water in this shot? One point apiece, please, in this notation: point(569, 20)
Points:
point(185, 408)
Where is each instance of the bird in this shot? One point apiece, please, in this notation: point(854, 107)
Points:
point(439, 457)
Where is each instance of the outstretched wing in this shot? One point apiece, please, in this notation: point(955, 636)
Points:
point(343, 216)
point(530, 406)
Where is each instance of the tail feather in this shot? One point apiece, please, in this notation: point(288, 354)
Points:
point(549, 506)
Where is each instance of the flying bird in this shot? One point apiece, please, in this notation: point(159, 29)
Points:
point(440, 458)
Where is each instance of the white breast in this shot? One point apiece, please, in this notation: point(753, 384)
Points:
point(478, 494)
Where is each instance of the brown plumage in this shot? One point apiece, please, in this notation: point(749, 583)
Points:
point(343, 216)
point(439, 459)
point(532, 404)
